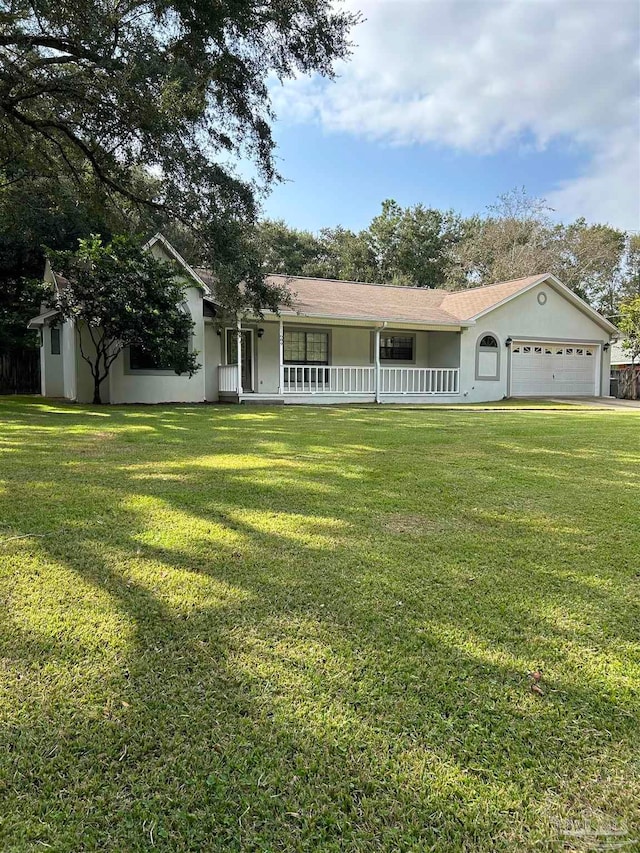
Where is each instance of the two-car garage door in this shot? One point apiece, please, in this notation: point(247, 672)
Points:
point(553, 370)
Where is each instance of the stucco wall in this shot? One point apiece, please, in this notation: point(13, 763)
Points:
point(605, 378)
point(356, 347)
point(266, 354)
point(51, 366)
point(350, 346)
point(84, 377)
point(444, 349)
point(69, 344)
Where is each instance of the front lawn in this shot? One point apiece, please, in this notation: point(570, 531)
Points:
point(310, 629)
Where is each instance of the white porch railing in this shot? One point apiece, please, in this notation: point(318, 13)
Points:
point(394, 381)
point(307, 379)
point(419, 380)
point(228, 378)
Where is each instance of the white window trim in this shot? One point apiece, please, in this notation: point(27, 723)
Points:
point(497, 350)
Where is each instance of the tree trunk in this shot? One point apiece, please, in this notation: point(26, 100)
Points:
point(96, 391)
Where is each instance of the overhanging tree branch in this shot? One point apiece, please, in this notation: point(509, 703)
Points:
point(131, 83)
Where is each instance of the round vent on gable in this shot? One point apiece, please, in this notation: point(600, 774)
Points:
point(542, 298)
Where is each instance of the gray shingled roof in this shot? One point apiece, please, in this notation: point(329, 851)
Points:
point(332, 298)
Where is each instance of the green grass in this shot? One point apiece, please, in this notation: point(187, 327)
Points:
point(254, 629)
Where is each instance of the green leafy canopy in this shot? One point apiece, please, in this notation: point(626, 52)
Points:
point(629, 325)
point(150, 105)
point(175, 88)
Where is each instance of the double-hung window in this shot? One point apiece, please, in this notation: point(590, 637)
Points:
point(396, 347)
point(306, 347)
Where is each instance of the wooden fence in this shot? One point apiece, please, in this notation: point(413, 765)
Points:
point(627, 378)
point(20, 372)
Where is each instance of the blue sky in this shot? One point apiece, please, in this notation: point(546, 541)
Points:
point(338, 179)
point(452, 102)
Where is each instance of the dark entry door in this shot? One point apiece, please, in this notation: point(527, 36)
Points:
point(247, 360)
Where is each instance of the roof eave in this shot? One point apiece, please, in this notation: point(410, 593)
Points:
point(457, 324)
point(41, 319)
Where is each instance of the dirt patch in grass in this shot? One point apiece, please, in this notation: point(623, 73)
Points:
point(404, 524)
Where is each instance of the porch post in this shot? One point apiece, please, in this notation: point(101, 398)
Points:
point(376, 355)
point(281, 358)
point(239, 340)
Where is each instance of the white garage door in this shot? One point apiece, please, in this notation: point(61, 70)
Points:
point(553, 370)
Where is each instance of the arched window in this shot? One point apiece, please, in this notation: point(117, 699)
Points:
point(489, 341)
point(488, 358)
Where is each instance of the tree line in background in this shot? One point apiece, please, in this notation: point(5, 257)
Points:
point(423, 247)
point(415, 246)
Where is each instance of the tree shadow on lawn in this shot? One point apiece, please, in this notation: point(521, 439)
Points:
point(298, 681)
point(253, 725)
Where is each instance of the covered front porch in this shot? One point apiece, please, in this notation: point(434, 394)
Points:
point(300, 362)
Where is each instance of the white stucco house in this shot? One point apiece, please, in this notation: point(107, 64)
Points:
point(348, 342)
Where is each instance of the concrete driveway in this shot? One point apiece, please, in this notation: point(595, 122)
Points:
point(606, 402)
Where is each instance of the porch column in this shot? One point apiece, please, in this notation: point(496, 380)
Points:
point(281, 359)
point(239, 347)
point(376, 355)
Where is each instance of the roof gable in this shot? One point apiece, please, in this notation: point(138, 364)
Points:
point(160, 239)
point(504, 292)
point(476, 301)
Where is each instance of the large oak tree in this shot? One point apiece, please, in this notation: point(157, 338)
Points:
point(115, 91)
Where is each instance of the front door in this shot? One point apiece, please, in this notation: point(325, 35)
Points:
point(247, 361)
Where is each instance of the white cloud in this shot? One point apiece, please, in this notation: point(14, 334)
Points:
point(609, 191)
point(479, 75)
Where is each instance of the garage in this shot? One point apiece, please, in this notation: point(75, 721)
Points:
point(563, 369)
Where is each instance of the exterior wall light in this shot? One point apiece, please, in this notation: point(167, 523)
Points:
point(260, 332)
point(606, 346)
point(508, 342)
